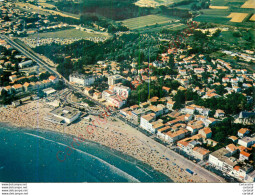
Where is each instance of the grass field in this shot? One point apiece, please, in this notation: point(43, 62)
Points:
point(70, 33)
point(175, 26)
point(225, 2)
point(212, 19)
point(144, 21)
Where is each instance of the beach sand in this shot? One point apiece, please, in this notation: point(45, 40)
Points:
point(110, 132)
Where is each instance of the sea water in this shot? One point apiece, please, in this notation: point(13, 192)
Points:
point(31, 156)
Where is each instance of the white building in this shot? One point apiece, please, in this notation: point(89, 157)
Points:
point(84, 80)
point(114, 79)
point(121, 90)
point(222, 160)
point(67, 114)
point(25, 64)
point(145, 122)
point(246, 141)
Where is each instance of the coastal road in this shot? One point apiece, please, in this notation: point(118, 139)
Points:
point(181, 161)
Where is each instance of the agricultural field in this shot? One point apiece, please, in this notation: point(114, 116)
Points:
point(237, 17)
point(70, 33)
point(218, 7)
point(226, 2)
point(212, 19)
point(153, 3)
point(173, 26)
point(229, 12)
point(146, 21)
point(252, 18)
point(249, 4)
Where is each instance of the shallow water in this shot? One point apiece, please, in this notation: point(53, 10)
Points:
point(31, 156)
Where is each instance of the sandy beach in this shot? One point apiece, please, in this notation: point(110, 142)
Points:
point(110, 132)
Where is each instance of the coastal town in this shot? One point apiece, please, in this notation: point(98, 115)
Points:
point(188, 115)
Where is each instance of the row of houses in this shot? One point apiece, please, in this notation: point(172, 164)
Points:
point(17, 88)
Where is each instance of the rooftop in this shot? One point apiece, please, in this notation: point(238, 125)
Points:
point(66, 112)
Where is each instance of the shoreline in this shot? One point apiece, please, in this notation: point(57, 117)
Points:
point(125, 157)
point(115, 135)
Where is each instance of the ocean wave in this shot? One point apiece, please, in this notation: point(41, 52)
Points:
point(114, 169)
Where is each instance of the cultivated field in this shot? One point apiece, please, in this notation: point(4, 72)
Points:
point(145, 21)
point(153, 3)
point(218, 7)
point(70, 33)
point(252, 18)
point(174, 26)
point(237, 17)
point(249, 4)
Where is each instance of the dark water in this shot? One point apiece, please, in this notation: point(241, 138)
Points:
point(31, 156)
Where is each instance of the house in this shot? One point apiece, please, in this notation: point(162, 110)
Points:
point(199, 70)
point(12, 78)
point(187, 145)
point(211, 142)
point(25, 64)
point(232, 148)
point(53, 79)
point(189, 110)
point(121, 90)
point(145, 122)
point(116, 101)
point(161, 131)
point(233, 138)
point(194, 126)
point(243, 132)
point(244, 156)
point(157, 125)
point(221, 160)
point(219, 113)
point(175, 136)
point(170, 104)
point(188, 117)
point(206, 132)
point(166, 89)
point(200, 153)
point(8, 89)
point(114, 79)
point(245, 117)
point(17, 88)
point(106, 94)
point(136, 114)
point(84, 80)
point(246, 142)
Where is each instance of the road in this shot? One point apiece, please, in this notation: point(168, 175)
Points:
point(180, 160)
point(42, 63)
